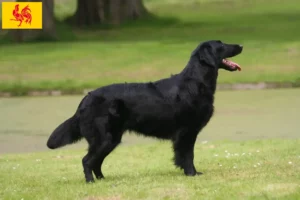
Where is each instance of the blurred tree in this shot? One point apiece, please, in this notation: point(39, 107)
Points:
point(48, 31)
point(91, 12)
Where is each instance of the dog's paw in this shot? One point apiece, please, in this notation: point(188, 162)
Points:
point(193, 173)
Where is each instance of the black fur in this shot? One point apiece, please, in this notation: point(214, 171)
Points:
point(175, 108)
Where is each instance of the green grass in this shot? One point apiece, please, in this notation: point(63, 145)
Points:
point(155, 47)
point(267, 169)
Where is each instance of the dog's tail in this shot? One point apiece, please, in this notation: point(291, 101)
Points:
point(66, 133)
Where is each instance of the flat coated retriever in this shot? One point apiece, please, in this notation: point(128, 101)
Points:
point(175, 108)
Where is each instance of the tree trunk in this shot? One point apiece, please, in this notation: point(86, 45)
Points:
point(46, 33)
point(91, 12)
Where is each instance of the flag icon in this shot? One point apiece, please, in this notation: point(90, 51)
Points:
point(22, 15)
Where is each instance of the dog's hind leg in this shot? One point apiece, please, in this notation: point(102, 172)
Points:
point(96, 139)
point(114, 127)
point(103, 138)
point(97, 159)
point(94, 119)
point(93, 147)
point(183, 145)
point(105, 151)
point(107, 144)
point(87, 169)
point(91, 161)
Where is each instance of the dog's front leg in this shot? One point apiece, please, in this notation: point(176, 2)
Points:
point(183, 145)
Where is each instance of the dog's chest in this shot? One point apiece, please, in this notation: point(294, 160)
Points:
point(198, 112)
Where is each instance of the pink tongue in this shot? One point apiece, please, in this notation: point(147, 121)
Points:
point(238, 67)
point(234, 65)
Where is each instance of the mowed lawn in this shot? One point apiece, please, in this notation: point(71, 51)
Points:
point(267, 169)
point(249, 150)
point(150, 49)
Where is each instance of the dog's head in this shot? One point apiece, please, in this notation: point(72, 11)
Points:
point(215, 53)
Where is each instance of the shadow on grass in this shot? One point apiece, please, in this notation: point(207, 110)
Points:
point(170, 173)
point(109, 178)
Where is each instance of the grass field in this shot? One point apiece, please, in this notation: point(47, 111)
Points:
point(153, 48)
point(267, 169)
point(249, 150)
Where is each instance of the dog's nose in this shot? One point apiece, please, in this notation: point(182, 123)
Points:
point(241, 46)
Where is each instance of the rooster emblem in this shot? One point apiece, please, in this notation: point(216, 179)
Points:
point(25, 14)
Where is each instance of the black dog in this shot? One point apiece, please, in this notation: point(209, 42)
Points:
point(175, 108)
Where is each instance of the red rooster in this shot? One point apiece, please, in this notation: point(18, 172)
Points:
point(25, 13)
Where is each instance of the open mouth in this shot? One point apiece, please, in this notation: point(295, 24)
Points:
point(232, 65)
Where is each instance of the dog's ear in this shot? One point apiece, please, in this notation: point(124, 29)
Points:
point(208, 56)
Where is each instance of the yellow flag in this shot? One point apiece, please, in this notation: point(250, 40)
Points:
point(22, 15)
